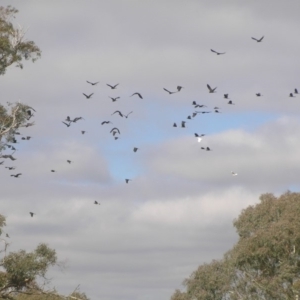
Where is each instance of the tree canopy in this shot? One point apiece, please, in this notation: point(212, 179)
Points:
point(265, 262)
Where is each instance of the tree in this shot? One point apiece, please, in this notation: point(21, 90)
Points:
point(21, 271)
point(13, 46)
point(13, 49)
point(265, 262)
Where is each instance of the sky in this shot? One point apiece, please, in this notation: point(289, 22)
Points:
point(177, 211)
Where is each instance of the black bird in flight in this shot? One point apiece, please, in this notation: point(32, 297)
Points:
point(127, 180)
point(117, 111)
point(115, 129)
point(291, 95)
point(218, 53)
point(230, 102)
point(82, 132)
point(126, 116)
point(210, 89)
point(88, 96)
point(68, 125)
point(92, 83)
point(174, 125)
point(137, 94)
point(31, 214)
point(114, 99)
point(258, 40)
point(7, 235)
point(170, 92)
point(1, 163)
point(179, 88)
point(96, 202)
point(207, 148)
point(8, 156)
point(296, 91)
point(216, 111)
point(26, 138)
point(258, 94)
point(52, 170)
point(225, 96)
point(69, 161)
point(16, 175)
point(106, 122)
point(77, 119)
point(183, 124)
point(112, 86)
point(198, 105)
point(135, 149)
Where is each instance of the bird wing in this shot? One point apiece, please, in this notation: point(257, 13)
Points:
point(261, 39)
point(210, 89)
point(213, 51)
point(254, 38)
point(167, 90)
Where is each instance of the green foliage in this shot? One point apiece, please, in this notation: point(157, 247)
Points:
point(13, 47)
point(265, 262)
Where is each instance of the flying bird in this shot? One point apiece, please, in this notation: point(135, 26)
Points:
point(135, 149)
point(296, 91)
point(127, 180)
point(126, 116)
point(77, 119)
point(16, 175)
point(210, 89)
point(31, 214)
point(207, 148)
point(112, 86)
point(88, 96)
point(258, 94)
point(170, 91)
point(7, 235)
point(183, 124)
point(218, 53)
point(230, 102)
point(52, 170)
point(26, 138)
point(92, 83)
point(8, 156)
point(115, 129)
point(106, 122)
point(174, 125)
point(179, 88)
point(225, 96)
point(291, 95)
point(117, 111)
point(114, 99)
point(96, 202)
point(68, 125)
point(82, 132)
point(138, 94)
point(258, 40)
point(69, 161)
point(10, 168)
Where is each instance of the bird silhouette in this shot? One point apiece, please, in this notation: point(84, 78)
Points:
point(68, 125)
point(16, 175)
point(114, 99)
point(258, 40)
point(7, 235)
point(296, 91)
point(174, 125)
point(69, 161)
point(82, 132)
point(218, 53)
point(113, 87)
point(106, 122)
point(138, 94)
point(96, 202)
point(52, 170)
point(225, 96)
point(179, 88)
point(258, 94)
point(291, 95)
point(10, 168)
point(8, 156)
point(170, 92)
point(210, 89)
point(88, 96)
point(127, 180)
point(31, 214)
point(117, 111)
point(126, 116)
point(135, 149)
point(115, 129)
point(230, 102)
point(92, 83)
point(183, 124)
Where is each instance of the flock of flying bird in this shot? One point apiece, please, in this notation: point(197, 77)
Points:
point(115, 132)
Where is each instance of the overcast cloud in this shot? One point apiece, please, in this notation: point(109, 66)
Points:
point(176, 213)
